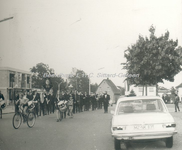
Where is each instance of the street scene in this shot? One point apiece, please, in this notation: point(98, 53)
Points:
point(90, 75)
point(87, 130)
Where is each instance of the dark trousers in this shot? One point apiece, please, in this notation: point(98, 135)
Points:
point(100, 105)
point(42, 109)
point(52, 107)
point(77, 107)
point(176, 106)
point(93, 105)
point(74, 108)
point(36, 109)
point(105, 107)
point(81, 107)
point(48, 107)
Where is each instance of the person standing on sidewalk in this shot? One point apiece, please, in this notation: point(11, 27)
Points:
point(176, 102)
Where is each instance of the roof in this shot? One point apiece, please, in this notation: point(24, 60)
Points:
point(112, 86)
point(138, 97)
point(14, 69)
point(180, 85)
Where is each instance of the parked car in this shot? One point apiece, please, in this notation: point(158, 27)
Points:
point(142, 118)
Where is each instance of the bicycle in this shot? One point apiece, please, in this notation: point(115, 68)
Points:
point(29, 118)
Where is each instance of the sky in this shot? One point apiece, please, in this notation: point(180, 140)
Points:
point(90, 35)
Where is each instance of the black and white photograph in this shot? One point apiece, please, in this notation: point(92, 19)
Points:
point(90, 74)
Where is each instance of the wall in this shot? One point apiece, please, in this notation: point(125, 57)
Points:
point(4, 79)
point(151, 90)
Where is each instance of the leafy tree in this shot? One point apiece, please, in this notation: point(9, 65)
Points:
point(154, 59)
point(79, 81)
point(38, 74)
point(93, 87)
point(41, 72)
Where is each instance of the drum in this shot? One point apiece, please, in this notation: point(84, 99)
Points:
point(31, 105)
point(2, 105)
point(62, 106)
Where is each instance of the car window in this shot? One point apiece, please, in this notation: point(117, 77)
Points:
point(140, 106)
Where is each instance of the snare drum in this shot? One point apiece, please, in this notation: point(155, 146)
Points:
point(2, 105)
point(62, 106)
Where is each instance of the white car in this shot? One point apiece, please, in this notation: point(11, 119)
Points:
point(142, 118)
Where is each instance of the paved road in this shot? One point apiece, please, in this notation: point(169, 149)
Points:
point(86, 131)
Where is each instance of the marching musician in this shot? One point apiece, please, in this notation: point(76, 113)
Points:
point(36, 97)
point(58, 114)
point(52, 102)
point(42, 103)
point(29, 95)
point(70, 106)
point(46, 102)
point(23, 103)
point(75, 96)
point(1, 99)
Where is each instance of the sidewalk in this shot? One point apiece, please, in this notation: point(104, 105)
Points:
point(9, 109)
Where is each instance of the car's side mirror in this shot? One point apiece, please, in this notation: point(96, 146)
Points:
point(112, 112)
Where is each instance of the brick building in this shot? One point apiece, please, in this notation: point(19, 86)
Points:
point(14, 81)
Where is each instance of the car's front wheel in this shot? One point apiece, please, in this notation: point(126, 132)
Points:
point(169, 142)
point(117, 144)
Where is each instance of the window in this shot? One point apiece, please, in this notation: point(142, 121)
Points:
point(28, 80)
point(11, 79)
point(140, 106)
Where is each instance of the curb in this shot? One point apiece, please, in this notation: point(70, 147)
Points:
point(8, 113)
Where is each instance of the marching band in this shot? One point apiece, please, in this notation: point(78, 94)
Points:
point(64, 102)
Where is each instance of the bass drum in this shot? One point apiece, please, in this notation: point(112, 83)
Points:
point(3, 105)
point(62, 106)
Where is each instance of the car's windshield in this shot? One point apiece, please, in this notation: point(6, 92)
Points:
point(140, 106)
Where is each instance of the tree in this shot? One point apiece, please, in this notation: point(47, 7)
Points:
point(80, 81)
point(42, 72)
point(93, 87)
point(38, 74)
point(154, 59)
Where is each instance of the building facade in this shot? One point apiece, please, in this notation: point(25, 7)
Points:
point(110, 87)
point(13, 81)
point(140, 90)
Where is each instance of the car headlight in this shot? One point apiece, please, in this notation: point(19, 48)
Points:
point(119, 128)
point(169, 125)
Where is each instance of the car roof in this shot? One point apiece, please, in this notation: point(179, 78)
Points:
point(138, 97)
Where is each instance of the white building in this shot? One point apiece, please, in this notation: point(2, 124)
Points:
point(139, 90)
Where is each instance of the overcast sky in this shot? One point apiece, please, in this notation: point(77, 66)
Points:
point(91, 35)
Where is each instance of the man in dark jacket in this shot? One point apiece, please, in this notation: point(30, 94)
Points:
point(1, 99)
point(106, 99)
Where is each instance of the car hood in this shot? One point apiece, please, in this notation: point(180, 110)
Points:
point(147, 118)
